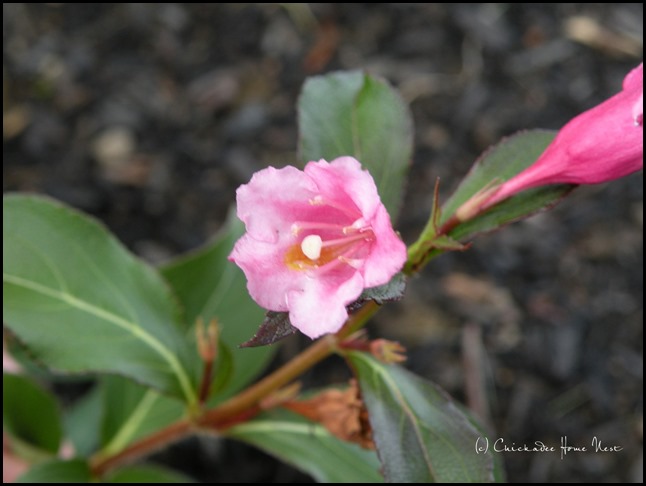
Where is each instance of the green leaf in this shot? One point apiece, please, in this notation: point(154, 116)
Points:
point(209, 286)
point(30, 413)
point(514, 209)
point(499, 474)
point(147, 473)
point(58, 471)
point(131, 411)
point(352, 113)
point(500, 163)
point(115, 413)
point(310, 448)
point(83, 303)
point(420, 434)
point(82, 422)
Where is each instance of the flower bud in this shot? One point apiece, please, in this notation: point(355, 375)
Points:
point(601, 144)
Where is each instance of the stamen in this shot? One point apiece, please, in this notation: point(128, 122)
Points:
point(345, 258)
point(306, 225)
point(311, 246)
point(313, 253)
point(327, 267)
point(319, 201)
point(346, 240)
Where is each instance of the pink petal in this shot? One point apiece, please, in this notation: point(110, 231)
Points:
point(634, 80)
point(599, 145)
point(634, 83)
point(346, 182)
point(319, 308)
point(273, 199)
point(268, 277)
point(388, 253)
point(638, 111)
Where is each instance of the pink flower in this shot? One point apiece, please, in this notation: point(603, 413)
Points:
point(315, 239)
point(601, 144)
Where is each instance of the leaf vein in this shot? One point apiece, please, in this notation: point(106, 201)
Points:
point(119, 321)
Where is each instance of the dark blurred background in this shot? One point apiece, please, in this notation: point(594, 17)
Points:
point(149, 116)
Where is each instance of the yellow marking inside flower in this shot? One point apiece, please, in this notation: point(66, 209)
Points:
point(311, 253)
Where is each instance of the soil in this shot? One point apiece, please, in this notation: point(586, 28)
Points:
point(148, 116)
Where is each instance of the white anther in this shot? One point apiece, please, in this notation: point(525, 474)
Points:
point(311, 246)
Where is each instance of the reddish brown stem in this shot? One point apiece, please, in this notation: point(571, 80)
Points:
point(242, 406)
point(168, 435)
point(281, 377)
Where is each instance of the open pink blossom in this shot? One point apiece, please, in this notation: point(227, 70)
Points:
point(601, 144)
point(315, 239)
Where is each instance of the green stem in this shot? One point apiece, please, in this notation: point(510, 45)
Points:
point(423, 251)
point(426, 248)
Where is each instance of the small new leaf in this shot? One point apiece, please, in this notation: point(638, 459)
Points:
point(444, 242)
point(390, 292)
point(422, 251)
point(275, 327)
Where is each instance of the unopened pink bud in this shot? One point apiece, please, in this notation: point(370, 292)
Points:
point(601, 144)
